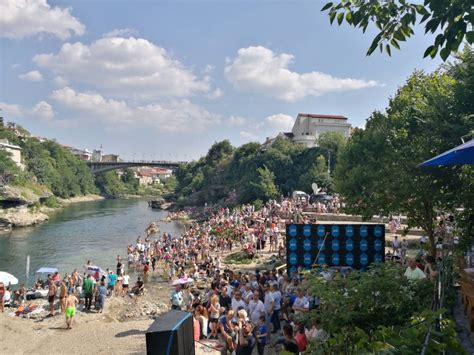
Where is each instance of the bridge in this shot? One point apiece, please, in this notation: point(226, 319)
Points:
point(99, 167)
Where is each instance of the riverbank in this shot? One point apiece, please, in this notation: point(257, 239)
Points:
point(25, 216)
point(120, 329)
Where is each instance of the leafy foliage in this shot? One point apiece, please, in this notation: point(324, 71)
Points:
point(378, 171)
point(251, 172)
point(379, 311)
point(334, 141)
point(57, 168)
point(7, 165)
point(395, 20)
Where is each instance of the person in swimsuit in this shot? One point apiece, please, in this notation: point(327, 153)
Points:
point(71, 301)
point(51, 296)
point(62, 295)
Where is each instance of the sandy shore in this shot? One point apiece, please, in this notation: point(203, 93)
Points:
point(91, 333)
point(120, 329)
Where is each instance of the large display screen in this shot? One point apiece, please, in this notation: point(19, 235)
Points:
point(353, 245)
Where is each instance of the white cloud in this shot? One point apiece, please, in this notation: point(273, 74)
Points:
point(208, 69)
point(12, 109)
point(260, 70)
point(42, 110)
point(124, 67)
point(236, 121)
point(215, 94)
point(121, 32)
point(270, 126)
point(278, 123)
point(59, 81)
point(176, 116)
point(25, 18)
point(32, 75)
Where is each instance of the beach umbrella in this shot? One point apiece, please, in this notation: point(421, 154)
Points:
point(460, 155)
point(46, 270)
point(8, 279)
point(182, 281)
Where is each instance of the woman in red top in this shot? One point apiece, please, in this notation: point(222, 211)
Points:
point(2, 293)
point(300, 338)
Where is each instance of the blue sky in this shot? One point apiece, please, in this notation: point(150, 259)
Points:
point(166, 79)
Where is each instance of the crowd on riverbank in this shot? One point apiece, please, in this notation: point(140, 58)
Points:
point(244, 309)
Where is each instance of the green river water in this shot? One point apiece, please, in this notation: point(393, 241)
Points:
point(96, 231)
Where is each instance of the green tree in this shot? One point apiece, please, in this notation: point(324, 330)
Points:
point(334, 141)
point(378, 311)
point(317, 173)
point(109, 184)
point(395, 20)
point(130, 181)
point(264, 188)
point(7, 165)
point(378, 170)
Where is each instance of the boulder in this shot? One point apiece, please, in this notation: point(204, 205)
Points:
point(12, 196)
point(21, 217)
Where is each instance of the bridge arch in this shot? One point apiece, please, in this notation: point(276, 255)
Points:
point(102, 167)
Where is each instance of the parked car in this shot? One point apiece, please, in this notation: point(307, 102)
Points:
point(314, 198)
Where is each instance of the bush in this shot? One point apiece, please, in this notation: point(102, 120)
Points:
point(52, 202)
point(237, 258)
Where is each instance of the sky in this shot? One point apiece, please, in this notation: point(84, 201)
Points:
point(166, 79)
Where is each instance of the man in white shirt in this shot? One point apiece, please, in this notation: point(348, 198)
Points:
point(301, 304)
point(269, 305)
point(256, 308)
point(238, 302)
point(413, 272)
point(276, 310)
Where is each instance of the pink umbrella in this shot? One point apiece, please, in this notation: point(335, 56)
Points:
point(182, 281)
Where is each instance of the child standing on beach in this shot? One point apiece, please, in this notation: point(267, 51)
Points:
point(214, 309)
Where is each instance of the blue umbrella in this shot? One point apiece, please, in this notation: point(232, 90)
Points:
point(460, 155)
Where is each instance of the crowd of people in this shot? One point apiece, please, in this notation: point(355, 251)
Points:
point(244, 310)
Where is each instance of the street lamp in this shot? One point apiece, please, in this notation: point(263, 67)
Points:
point(329, 158)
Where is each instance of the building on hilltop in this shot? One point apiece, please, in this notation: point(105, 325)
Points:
point(110, 158)
point(83, 154)
point(308, 127)
point(14, 150)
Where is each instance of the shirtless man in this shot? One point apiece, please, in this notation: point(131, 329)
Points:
point(51, 296)
point(62, 295)
point(71, 302)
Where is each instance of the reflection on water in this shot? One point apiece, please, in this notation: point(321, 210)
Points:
point(95, 231)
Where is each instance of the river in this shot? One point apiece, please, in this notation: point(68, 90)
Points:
point(96, 231)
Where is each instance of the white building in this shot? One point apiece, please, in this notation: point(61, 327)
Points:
point(83, 154)
point(308, 127)
point(14, 150)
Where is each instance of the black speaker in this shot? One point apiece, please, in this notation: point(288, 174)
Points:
point(171, 334)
